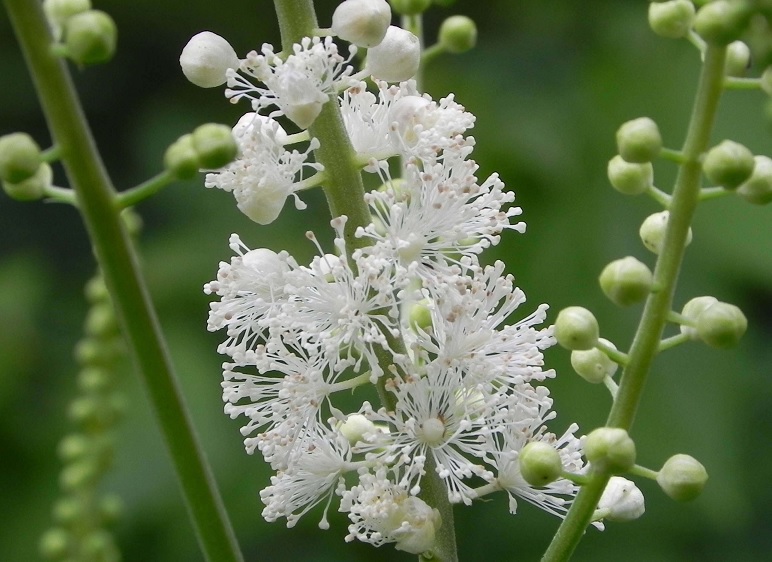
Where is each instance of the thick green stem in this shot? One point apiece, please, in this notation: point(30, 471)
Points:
point(647, 338)
point(117, 259)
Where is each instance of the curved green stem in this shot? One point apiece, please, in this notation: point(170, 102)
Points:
point(116, 256)
point(146, 189)
point(647, 338)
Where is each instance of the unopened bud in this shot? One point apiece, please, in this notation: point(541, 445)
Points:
point(692, 310)
point(738, 59)
point(458, 34)
point(540, 463)
point(621, 501)
point(396, 58)
point(728, 164)
point(671, 19)
point(206, 58)
point(410, 7)
point(422, 522)
point(720, 22)
point(721, 325)
point(59, 11)
point(652, 231)
point(576, 328)
point(629, 178)
point(362, 22)
point(32, 188)
point(758, 188)
point(610, 449)
point(682, 478)
point(639, 140)
point(420, 316)
point(55, 543)
point(19, 157)
point(592, 364)
point(626, 281)
point(90, 37)
point(356, 427)
point(215, 145)
point(181, 158)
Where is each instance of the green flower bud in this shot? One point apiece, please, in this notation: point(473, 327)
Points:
point(728, 164)
point(215, 145)
point(74, 446)
point(758, 188)
point(721, 325)
point(111, 508)
point(33, 188)
point(99, 545)
point(76, 475)
point(626, 281)
point(738, 59)
point(610, 449)
point(420, 316)
point(55, 543)
point(90, 37)
point(68, 510)
point(628, 178)
point(410, 7)
point(621, 501)
point(96, 290)
point(592, 364)
point(671, 19)
point(361, 22)
point(766, 80)
point(692, 311)
point(458, 34)
point(576, 328)
point(540, 463)
point(59, 11)
point(652, 231)
point(19, 157)
point(101, 320)
point(94, 379)
point(720, 22)
point(181, 158)
point(639, 140)
point(682, 478)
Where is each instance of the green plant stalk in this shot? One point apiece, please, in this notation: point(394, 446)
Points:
point(647, 338)
point(345, 195)
point(118, 261)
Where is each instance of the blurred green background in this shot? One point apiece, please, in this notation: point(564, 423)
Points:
point(549, 82)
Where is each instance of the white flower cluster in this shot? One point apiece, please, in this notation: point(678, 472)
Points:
point(412, 312)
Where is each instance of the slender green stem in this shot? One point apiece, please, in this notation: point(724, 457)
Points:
point(146, 189)
point(676, 156)
point(615, 355)
point(707, 193)
point(733, 83)
point(660, 196)
point(673, 341)
point(643, 472)
point(50, 154)
point(55, 194)
point(116, 256)
point(647, 338)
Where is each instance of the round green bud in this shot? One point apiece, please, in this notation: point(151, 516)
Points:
point(59, 11)
point(68, 510)
point(90, 37)
point(692, 310)
point(652, 231)
point(758, 188)
point(682, 478)
point(738, 59)
point(94, 379)
point(626, 281)
point(720, 22)
point(592, 364)
point(628, 178)
point(96, 290)
point(410, 7)
point(728, 164)
point(77, 475)
point(610, 449)
point(766, 80)
point(721, 325)
point(74, 446)
point(19, 157)
point(420, 316)
point(576, 328)
point(671, 19)
point(101, 320)
point(111, 508)
point(621, 501)
point(639, 140)
point(55, 543)
point(181, 158)
point(215, 145)
point(99, 545)
point(458, 34)
point(33, 188)
point(540, 463)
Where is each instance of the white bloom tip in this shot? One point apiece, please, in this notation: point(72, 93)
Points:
point(206, 58)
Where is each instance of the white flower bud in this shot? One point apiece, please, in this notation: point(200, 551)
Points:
point(592, 364)
point(626, 281)
point(418, 524)
point(610, 449)
point(692, 310)
point(356, 427)
point(682, 477)
point(738, 59)
point(630, 178)
point(671, 19)
point(652, 231)
point(396, 58)
point(362, 22)
point(621, 501)
point(206, 58)
point(576, 328)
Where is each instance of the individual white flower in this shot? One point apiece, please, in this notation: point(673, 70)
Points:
point(382, 512)
point(361, 22)
point(396, 58)
point(297, 86)
point(621, 501)
point(265, 172)
point(206, 58)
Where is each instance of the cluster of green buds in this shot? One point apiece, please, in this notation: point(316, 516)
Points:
point(83, 35)
point(210, 146)
point(24, 173)
point(82, 514)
